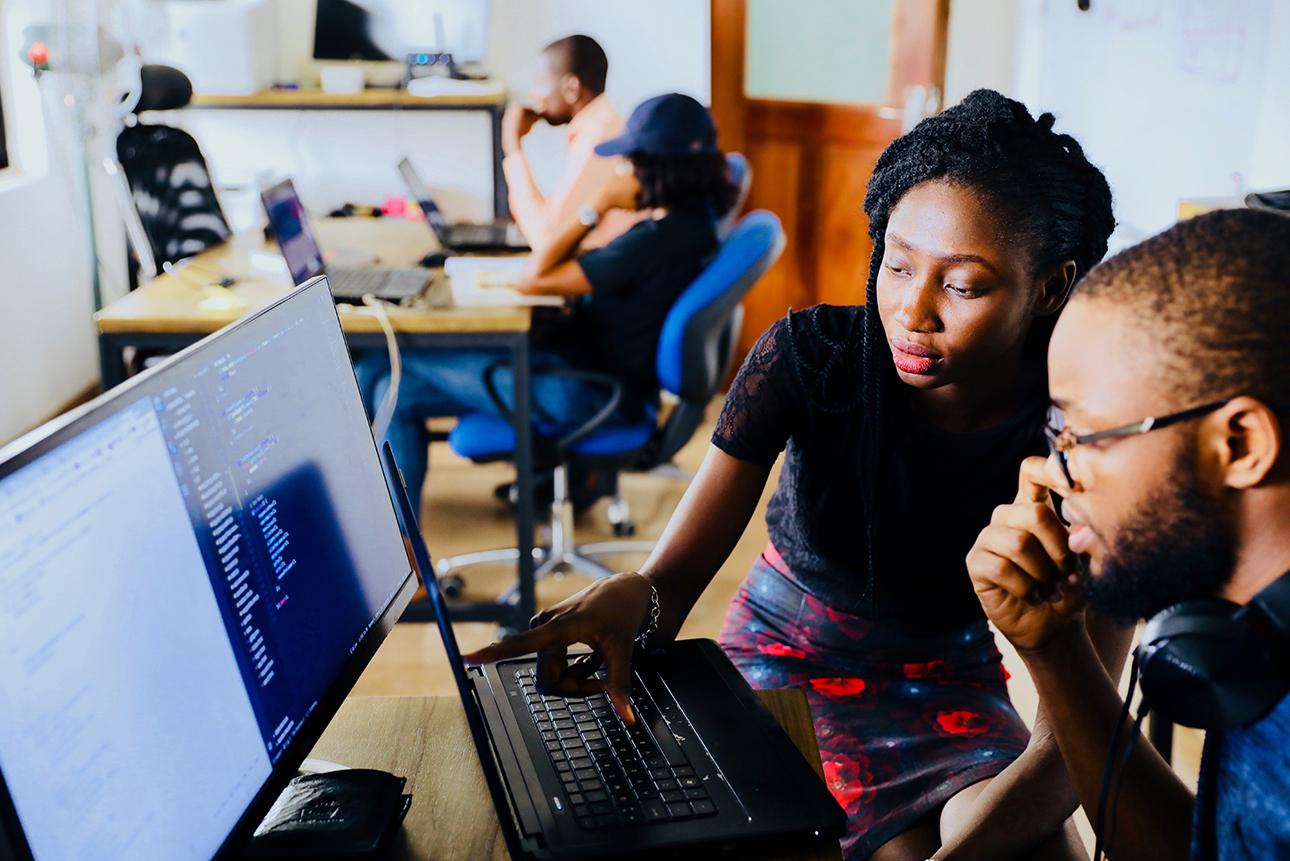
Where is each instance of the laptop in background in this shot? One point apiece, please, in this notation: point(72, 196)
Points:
point(195, 569)
point(300, 248)
point(706, 767)
point(461, 236)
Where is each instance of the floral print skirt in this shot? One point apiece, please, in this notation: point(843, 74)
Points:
point(903, 723)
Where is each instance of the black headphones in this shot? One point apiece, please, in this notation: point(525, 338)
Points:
point(1212, 664)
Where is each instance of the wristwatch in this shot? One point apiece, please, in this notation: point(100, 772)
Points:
point(589, 216)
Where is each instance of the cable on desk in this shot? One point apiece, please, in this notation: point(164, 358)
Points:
point(385, 412)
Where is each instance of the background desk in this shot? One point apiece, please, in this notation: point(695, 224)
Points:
point(427, 741)
point(382, 99)
point(167, 314)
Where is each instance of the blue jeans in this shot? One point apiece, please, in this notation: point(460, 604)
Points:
point(450, 382)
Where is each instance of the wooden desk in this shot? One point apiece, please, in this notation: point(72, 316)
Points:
point(375, 98)
point(171, 304)
point(379, 99)
point(427, 741)
point(168, 314)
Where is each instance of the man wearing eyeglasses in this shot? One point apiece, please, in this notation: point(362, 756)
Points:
point(1169, 373)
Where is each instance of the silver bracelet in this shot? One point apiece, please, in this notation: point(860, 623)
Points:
point(651, 625)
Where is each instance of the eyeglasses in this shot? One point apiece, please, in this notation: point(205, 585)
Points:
point(1061, 439)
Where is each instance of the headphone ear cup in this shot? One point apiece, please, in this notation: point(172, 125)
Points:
point(1201, 665)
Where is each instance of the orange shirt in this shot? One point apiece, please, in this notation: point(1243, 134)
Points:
point(585, 173)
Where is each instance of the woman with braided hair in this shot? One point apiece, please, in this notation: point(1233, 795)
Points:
point(903, 423)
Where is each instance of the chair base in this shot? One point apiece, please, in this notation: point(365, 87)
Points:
point(561, 555)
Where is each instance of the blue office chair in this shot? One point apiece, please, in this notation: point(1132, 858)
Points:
point(695, 350)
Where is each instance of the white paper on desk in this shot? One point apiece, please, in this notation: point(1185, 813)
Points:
point(482, 280)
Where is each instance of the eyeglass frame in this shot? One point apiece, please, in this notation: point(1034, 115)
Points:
point(1062, 442)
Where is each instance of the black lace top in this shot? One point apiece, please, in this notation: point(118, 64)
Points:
point(799, 391)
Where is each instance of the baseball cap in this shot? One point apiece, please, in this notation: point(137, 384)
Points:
point(668, 125)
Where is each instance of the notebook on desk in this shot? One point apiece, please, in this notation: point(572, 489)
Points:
point(479, 281)
point(570, 779)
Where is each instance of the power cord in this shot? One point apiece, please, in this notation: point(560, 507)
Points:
point(383, 414)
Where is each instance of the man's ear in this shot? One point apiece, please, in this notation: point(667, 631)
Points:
point(570, 88)
point(1246, 437)
point(1055, 289)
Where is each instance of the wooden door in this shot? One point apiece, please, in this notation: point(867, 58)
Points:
point(811, 159)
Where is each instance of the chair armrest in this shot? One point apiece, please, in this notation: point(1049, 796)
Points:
point(613, 386)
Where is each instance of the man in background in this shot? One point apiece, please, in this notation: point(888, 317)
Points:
point(570, 91)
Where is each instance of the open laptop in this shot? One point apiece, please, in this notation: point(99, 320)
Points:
point(462, 236)
point(706, 767)
point(194, 570)
point(300, 248)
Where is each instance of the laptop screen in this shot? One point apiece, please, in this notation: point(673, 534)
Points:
point(291, 228)
point(421, 193)
point(187, 570)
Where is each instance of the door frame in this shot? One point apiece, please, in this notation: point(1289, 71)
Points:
point(912, 62)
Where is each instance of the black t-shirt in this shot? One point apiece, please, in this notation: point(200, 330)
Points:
point(800, 392)
point(634, 282)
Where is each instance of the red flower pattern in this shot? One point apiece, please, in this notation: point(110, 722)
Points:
point(847, 779)
point(780, 650)
point(961, 723)
point(880, 714)
point(839, 687)
point(927, 670)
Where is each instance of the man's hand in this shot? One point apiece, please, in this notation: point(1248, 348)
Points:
point(517, 122)
point(1022, 570)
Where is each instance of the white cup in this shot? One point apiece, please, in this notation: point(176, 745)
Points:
point(341, 79)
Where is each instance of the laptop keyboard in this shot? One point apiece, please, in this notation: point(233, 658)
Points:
point(612, 774)
point(392, 284)
point(476, 234)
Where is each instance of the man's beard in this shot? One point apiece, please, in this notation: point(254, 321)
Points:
point(1177, 548)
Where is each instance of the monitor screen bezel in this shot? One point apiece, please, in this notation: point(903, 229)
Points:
point(44, 439)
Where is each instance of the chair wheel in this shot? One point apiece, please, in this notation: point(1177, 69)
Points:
point(452, 586)
point(624, 528)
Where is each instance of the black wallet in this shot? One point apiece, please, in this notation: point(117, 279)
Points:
point(354, 813)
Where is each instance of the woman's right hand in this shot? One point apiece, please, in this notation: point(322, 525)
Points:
point(607, 616)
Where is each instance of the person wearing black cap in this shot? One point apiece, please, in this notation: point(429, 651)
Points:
point(672, 170)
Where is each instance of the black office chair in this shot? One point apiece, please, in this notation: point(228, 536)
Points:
point(169, 183)
point(694, 354)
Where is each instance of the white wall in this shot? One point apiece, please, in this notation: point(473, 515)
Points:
point(1270, 156)
point(1172, 100)
point(47, 347)
point(981, 47)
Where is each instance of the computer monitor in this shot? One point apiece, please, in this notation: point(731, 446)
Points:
point(293, 232)
point(194, 569)
point(393, 29)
